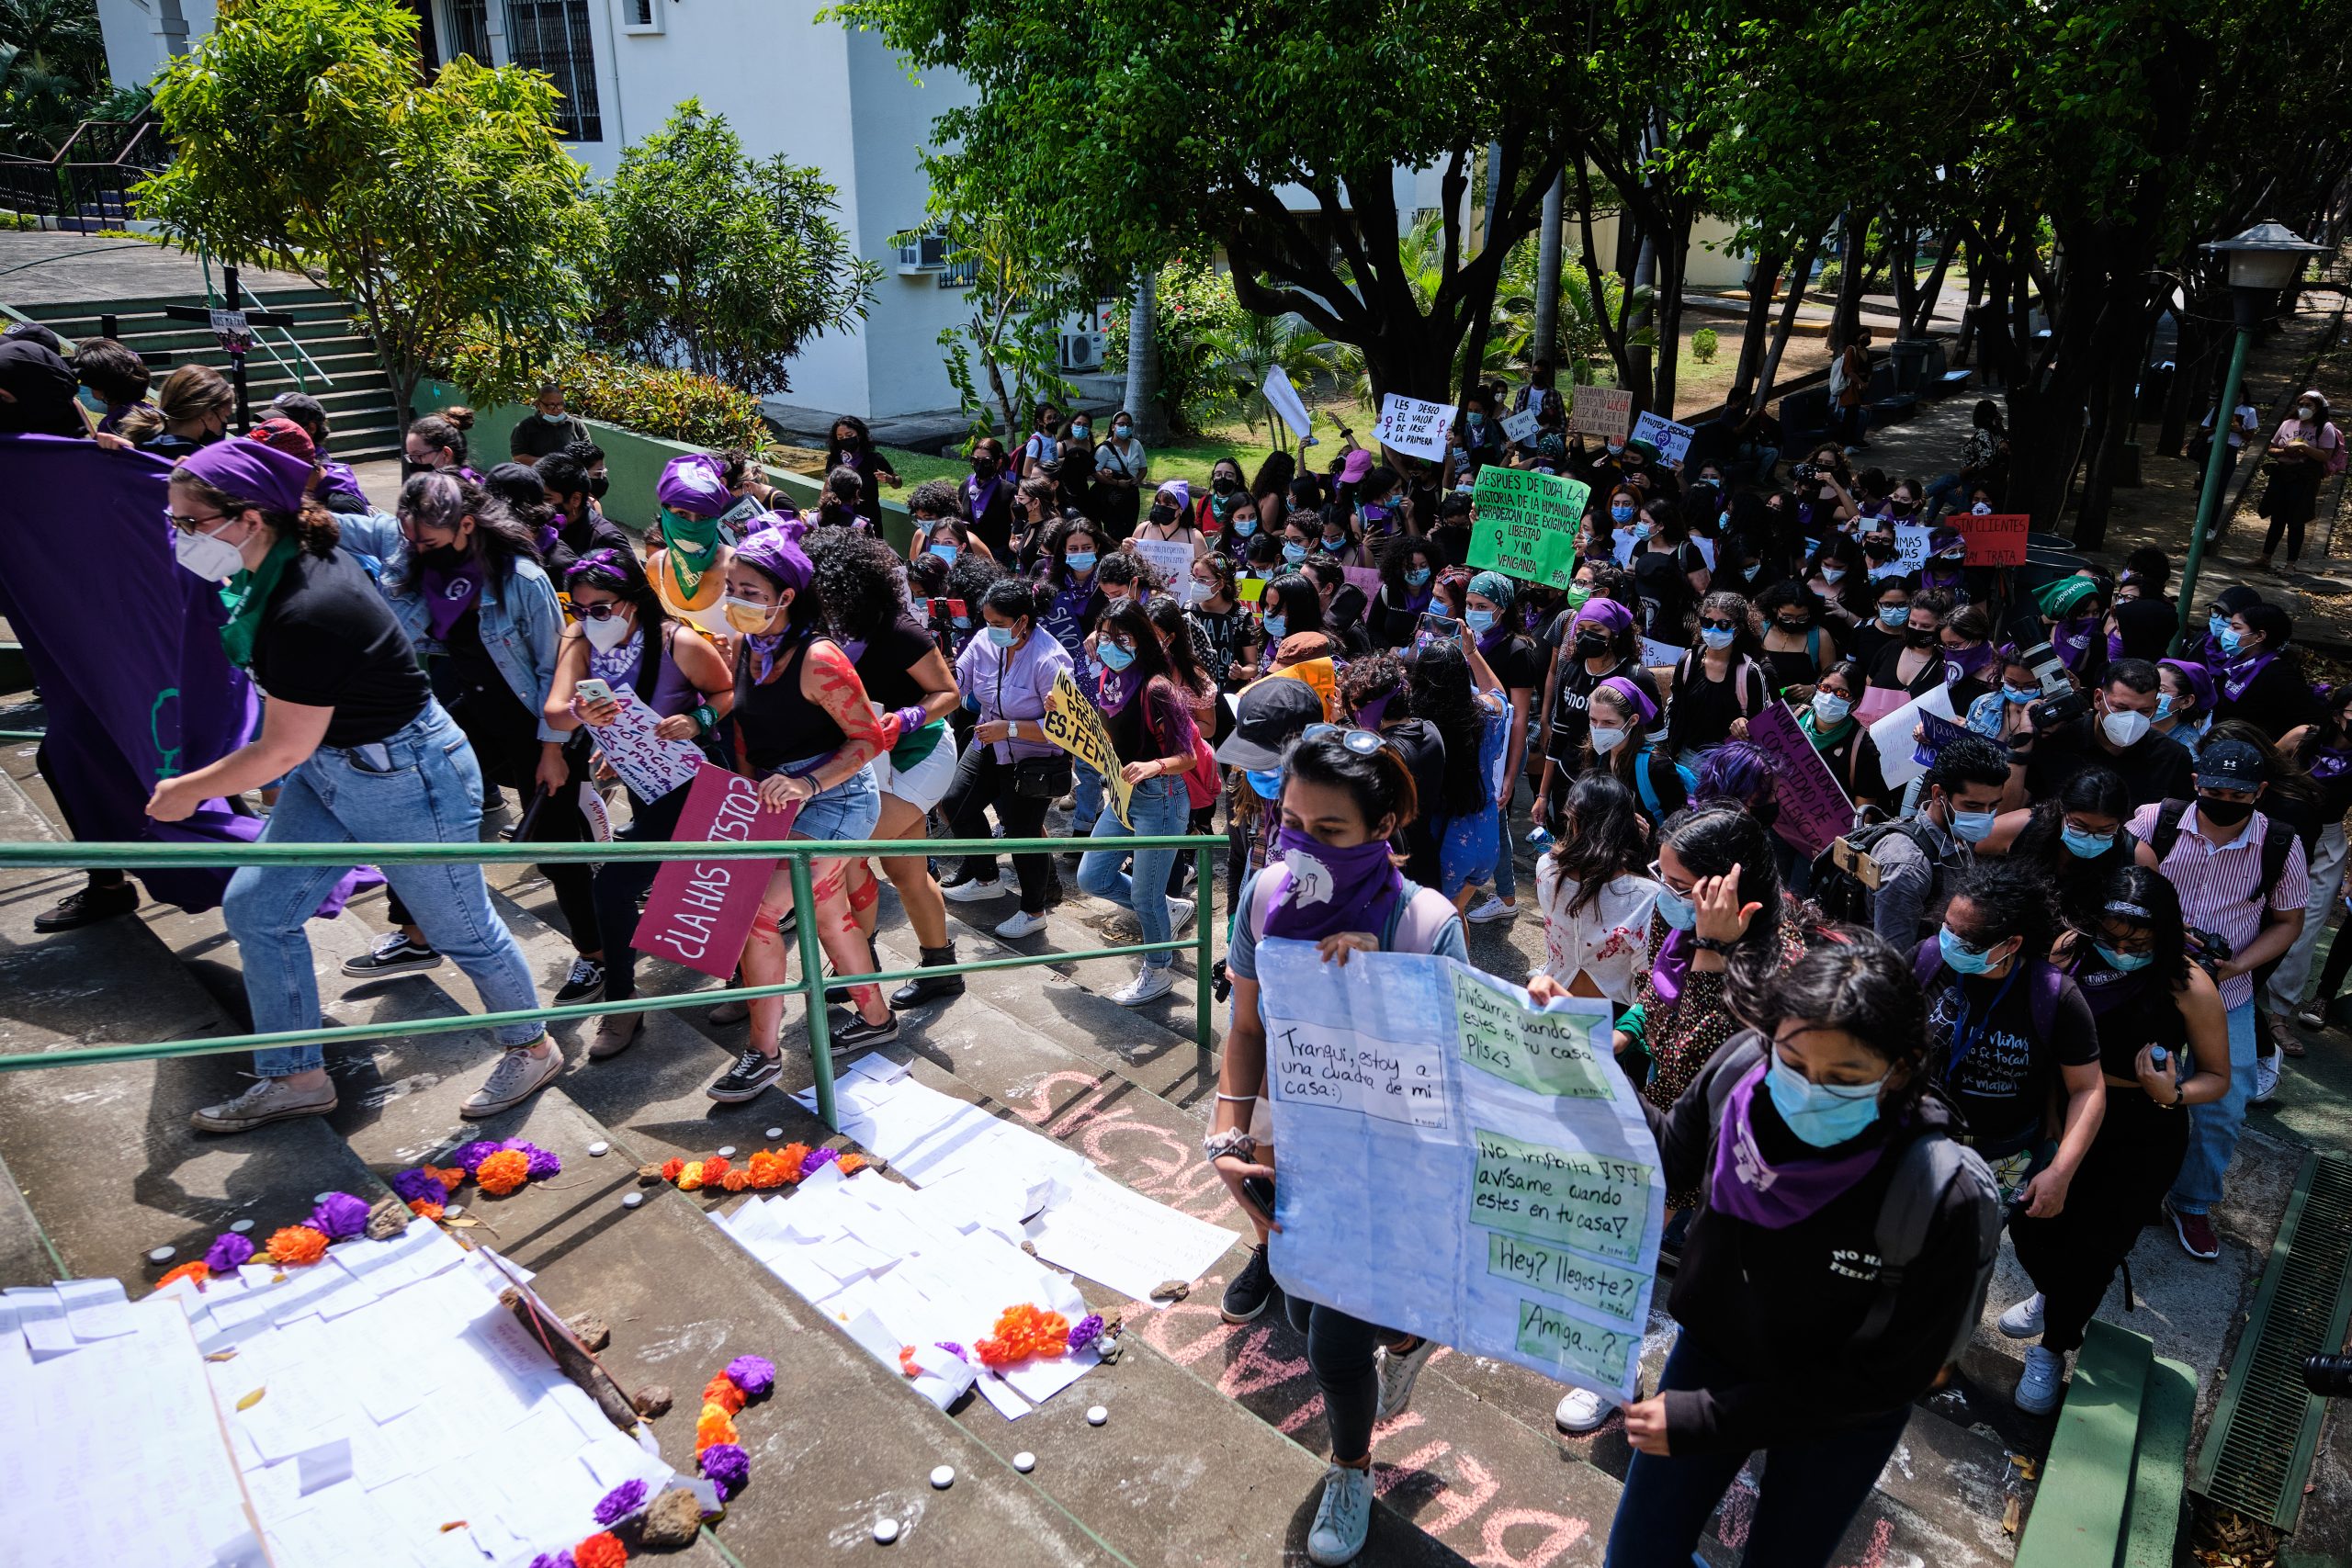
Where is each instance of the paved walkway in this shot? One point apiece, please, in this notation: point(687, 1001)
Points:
point(44, 268)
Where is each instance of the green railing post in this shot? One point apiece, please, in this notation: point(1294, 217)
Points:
point(1204, 891)
point(812, 985)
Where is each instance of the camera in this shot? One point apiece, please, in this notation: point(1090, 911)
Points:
point(2328, 1376)
point(2052, 712)
point(1804, 472)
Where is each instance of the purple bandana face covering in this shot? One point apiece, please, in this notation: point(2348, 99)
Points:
point(1324, 890)
point(448, 595)
point(1747, 1186)
point(1959, 663)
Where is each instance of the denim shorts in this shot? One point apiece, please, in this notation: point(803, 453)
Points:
point(848, 810)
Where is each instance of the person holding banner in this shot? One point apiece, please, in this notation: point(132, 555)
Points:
point(1344, 794)
point(1007, 677)
point(366, 755)
point(191, 412)
point(625, 640)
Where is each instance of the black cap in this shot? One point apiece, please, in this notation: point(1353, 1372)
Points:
point(1267, 718)
point(2229, 764)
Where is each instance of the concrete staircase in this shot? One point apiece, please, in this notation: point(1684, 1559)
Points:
point(1213, 1452)
point(340, 369)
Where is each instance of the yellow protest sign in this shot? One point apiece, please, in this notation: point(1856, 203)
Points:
point(1076, 726)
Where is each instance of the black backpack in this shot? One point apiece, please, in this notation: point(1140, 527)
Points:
point(1845, 875)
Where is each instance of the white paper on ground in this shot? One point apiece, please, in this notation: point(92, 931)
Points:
point(997, 1392)
point(97, 1309)
point(1120, 1238)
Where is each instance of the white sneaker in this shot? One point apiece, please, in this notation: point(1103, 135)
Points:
point(518, 1076)
point(2267, 1072)
point(2042, 1383)
point(1581, 1410)
point(2023, 1321)
point(1398, 1375)
point(1149, 984)
point(971, 892)
point(1342, 1519)
point(1022, 923)
point(1180, 915)
point(1492, 909)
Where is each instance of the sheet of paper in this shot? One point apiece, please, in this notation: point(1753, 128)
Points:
point(97, 1309)
point(1123, 1239)
point(1891, 735)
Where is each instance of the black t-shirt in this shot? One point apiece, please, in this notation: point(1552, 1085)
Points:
point(1886, 671)
point(329, 641)
point(1518, 664)
point(1569, 721)
point(887, 662)
point(536, 438)
point(1982, 1040)
point(1424, 752)
point(585, 536)
point(2155, 768)
point(1664, 581)
point(2275, 701)
point(1703, 709)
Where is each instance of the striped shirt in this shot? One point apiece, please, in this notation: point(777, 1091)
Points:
point(2216, 884)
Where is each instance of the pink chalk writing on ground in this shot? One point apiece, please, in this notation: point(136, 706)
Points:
point(1814, 809)
point(699, 912)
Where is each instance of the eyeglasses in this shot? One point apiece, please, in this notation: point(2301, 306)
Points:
point(1657, 875)
point(1363, 742)
point(193, 525)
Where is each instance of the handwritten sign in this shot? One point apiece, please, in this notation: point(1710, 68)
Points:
point(1891, 736)
point(1284, 398)
point(1412, 426)
point(1525, 524)
point(1671, 440)
point(1994, 539)
point(1814, 806)
point(1520, 428)
point(1519, 1203)
point(700, 912)
point(651, 766)
point(1911, 546)
point(1365, 579)
point(1658, 655)
point(1605, 412)
point(1171, 561)
point(1075, 724)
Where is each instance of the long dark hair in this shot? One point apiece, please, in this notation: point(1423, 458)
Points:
point(1601, 838)
point(442, 497)
point(1300, 606)
point(524, 492)
point(2137, 888)
point(1378, 782)
point(618, 573)
point(1396, 552)
point(1853, 981)
point(1167, 618)
point(1438, 686)
point(1711, 839)
point(1058, 537)
point(1274, 476)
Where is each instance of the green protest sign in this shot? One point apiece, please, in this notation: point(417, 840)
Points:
point(1526, 524)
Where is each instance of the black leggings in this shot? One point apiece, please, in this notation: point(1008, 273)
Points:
point(620, 883)
point(980, 782)
point(2071, 1256)
point(1341, 1351)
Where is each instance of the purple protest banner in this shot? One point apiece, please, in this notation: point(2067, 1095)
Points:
point(1813, 805)
point(699, 912)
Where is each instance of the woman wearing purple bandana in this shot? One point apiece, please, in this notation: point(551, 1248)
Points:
point(1344, 794)
point(1793, 1344)
point(2257, 676)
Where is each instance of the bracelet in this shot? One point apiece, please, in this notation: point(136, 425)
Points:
point(1237, 1098)
point(706, 718)
point(1232, 1141)
point(1715, 944)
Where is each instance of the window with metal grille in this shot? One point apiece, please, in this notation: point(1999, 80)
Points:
point(469, 29)
point(640, 13)
point(552, 36)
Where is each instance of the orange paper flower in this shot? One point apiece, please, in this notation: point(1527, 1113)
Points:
point(851, 1164)
point(1022, 1332)
point(722, 1390)
point(297, 1244)
point(503, 1172)
point(689, 1179)
point(424, 1209)
point(198, 1271)
point(671, 1168)
point(603, 1550)
point(714, 1167)
point(793, 1155)
point(736, 1180)
point(907, 1361)
point(714, 1427)
point(769, 1168)
point(450, 1177)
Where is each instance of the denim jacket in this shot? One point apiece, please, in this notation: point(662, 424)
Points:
point(522, 624)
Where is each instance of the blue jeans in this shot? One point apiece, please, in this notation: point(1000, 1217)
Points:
point(421, 786)
point(1811, 1491)
point(1085, 797)
point(1505, 871)
point(1946, 491)
point(2213, 1129)
point(1158, 806)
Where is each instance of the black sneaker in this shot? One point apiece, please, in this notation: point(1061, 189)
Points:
point(1248, 1293)
point(751, 1073)
point(857, 1034)
point(98, 901)
point(393, 953)
point(586, 983)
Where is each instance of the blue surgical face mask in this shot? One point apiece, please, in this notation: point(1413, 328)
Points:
point(1642, 531)
point(944, 552)
point(1837, 574)
point(1960, 957)
point(1480, 620)
point(1335, 546)
point(2083, 842)
point(1821, 1114)
point(1079, 560)
point(1830, 708)
point(1417, 577)
point(2163, 706)
point(1749, 572)
point(1245, 526)
point(1971, 827)
point(1001, 635)
point(1266, 784)
point(1621, 514)
point(2215, 624)
point(1114, 655)
point(2229, 638)
point(2123, 963)
point(554, 418)
point(964, 622)
point(1892, 616)
point(1717, 636)
point(1277, 628)
point(2011, 694)
point(1293, 551)
point(1676, 910)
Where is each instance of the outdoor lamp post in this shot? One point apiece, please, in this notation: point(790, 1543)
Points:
point(2264, 260)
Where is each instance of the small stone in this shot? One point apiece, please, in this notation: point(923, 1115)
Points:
point(631, 1199)
point(652, 1400)
point(1172, 1290)
point(942, 1477)
point(241, 1227)
point(775, 1132)
point(649, 1172)
point(885, 1531)
point(592, 1330)
point(1024, 1461)
point(388, 1218)
point(599, 1149)
point(1030, 1248)
point(727, 1152)
point(673, 1520)
point(452, 1211)
point(1107, 1347)
point(1096, 1415)
point(160, 1255)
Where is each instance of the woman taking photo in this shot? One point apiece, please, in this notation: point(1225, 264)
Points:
point(1343, 794)
point(1005, 676)
point(367, 756)
point(1153, 736)
point(1121, 465)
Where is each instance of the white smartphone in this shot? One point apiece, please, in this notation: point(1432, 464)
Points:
point(591, 690)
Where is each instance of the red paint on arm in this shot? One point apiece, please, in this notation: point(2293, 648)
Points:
point(829, 680)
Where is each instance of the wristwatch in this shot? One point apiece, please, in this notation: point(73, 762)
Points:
point(1714, 943)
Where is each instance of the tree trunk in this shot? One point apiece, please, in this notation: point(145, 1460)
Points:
point(1763, 277)
point(1918, 326)
point(1547, 275)
point(1639, 360)
point(1800, 275)
point(1673, 262)
point(1142, 395)
point(2197, 371)
point(1846, 320)
point(1904, 263)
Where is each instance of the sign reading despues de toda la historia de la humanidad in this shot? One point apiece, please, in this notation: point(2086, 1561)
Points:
point(1526, 523)
point(1459, 1163)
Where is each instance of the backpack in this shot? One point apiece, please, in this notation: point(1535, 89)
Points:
point(1929, 1166)
point(1413, 924)
point(2278, 840)
point(1741, 668)
point(1645, 785)
point(1846, 877)
point(2046, 979)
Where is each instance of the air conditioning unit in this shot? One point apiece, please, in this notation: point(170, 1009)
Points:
point(1083, 351)
point(924, 253)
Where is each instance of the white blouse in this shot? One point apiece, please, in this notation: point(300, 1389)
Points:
point(1607, 939)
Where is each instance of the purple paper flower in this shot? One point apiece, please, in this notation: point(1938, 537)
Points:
point(468, 1156)
point(1086, 1331)
point(228, 1250)
point(952, 1348)
point(544, 1162)
point(621, 1502)
point(418, 1185)
point(338, 1215)
point(755, 1375)
point(726, 1467)
point(553, 1560)
point(816, 1157)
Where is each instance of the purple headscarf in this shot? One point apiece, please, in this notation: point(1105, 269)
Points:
point(1632, 696)
point(251, 472)
point(694, 483)
point(1608, 612)
point(774, 546)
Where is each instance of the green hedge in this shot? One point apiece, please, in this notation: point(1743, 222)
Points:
point(675, 405)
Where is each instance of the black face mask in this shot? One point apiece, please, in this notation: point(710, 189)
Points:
point(441, 557)
point(1796, 628)
point(1920, 636)
point(1592, 645)
point(1162, 515)
point(1225, 484)
point(598, 484)
point(2223, 813)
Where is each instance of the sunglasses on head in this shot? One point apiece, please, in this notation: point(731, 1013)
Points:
point(1363, 742)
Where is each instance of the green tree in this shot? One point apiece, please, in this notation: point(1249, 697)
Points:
point(1018, 296)
point(306, 138)
point(52, 72)
point(727, 263)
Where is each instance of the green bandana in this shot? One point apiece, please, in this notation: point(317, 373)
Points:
point(2057, 598)
point(247, 595)
point(1823, 739)
point(692, 543)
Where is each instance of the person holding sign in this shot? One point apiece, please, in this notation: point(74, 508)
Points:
point(1802, 1337)
point(1171, 523)
point(1344, 794)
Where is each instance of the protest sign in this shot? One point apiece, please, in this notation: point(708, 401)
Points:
point(1459, 1163)
point(1412, 426)
point(1878, 701)
point(699, 912)
point(1284, 398)
point(1911, 546)
point(651, 766)
point(1323, 676)
point(1171, 561)
point(1658, 655)
point(1526, 523)
point(1434, 627)
point(1622, 546)
point(1814, 806)
point(1073, 723)
point(1671, 440)
point(1606, 412)
point(1521, 426)
point(1250, 589)
point(1891, 735)
point(1994, 539)
point(1935, 734)
point(1365, 579)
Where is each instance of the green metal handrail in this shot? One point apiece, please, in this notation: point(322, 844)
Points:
point(796, 852)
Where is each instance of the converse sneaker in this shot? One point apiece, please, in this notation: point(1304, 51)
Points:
point(2266, 1070)
point(1490, 908)
point(1342, 1519)
point(972, 892)
point(1246, 1293)
point(521, 1073)
point(857, 1034)
point(1580, 1410)
point(2313, 1015)
point(586, 984)
point(87, 906)
point(1180, 915)
point(1149, 984)
point(1019, 924)
point(267, 1100)
point(753, 1072)
point(2042, 1382)
point(1399, 1369)
point(2023, 1321)
point(616, 1033)
point(393, 953)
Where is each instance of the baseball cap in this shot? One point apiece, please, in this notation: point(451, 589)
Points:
point(1267, 718)
point(1355, 466)
point(287, 436)
point(2229, 764)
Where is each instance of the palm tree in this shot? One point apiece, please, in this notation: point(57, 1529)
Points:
point(1246, 353)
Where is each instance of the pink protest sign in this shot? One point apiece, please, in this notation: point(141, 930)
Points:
point(699, 912)
point(1814, 806)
